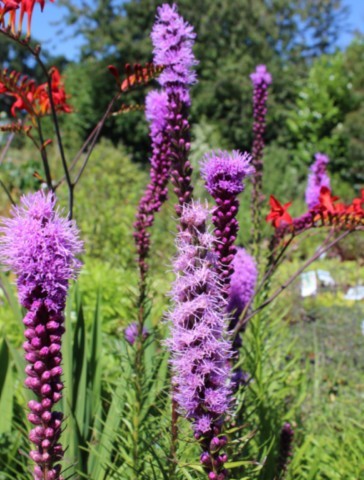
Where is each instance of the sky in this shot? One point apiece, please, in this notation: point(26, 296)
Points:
point(45, 30)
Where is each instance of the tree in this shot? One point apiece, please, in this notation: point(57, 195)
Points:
point(232, 37)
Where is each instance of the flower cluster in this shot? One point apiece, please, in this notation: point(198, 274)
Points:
point(156, 192)
point(25, 7)
point(317, 178)
point(224, 174)
point(173, 40)
point(200, 352)
point(33, 98)
point(39, 246)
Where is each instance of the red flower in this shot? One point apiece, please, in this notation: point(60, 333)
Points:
point(326, 201)
point(32, 97)
point(278, 213)
point(58, 94)
point(26, 8)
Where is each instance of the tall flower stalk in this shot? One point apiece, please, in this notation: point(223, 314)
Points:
point(156, 192)
point(261, 79)
point(39, 246)
point(200, 351)
point(173, 40)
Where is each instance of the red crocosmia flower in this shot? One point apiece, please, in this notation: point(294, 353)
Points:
point(58, 94)
point(356, 207)
point(278, 213)
point(340, 208)
point(9, 6)
point(326, 201)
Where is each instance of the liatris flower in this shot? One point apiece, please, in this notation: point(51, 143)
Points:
point(224, 174)
point(285, 449)
point(39, 246)
point(131, 333)
point(261, 79)
point(242, 287)
point(173, 40)
point(156, 192)
point(200, 352)
point(243, 282)
point(317, 179)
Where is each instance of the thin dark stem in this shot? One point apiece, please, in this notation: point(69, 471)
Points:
point(95, 137)
point(319, 252)
point(44, 156)
point(8, 194)
point(36, 54)
point(6, 147)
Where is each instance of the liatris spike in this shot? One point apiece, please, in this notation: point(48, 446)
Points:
point(317, 179)
point(173, 40)
point(224, 174)
point(200, 351)
point(261, 79)
point(242, 287)
point(39, 246)
point(156, 192)
point(285, 449)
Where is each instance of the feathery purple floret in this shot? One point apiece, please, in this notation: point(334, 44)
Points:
point(243, 281)
point(39, 246)
point(157, 190)
point(224, 172)
point(261, 76)
point(317, 179)
point(173, 39)
point(200, 351)
point(224, 175)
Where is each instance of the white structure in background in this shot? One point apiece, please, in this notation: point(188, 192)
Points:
point(325, 278)
point(308, 284)
point(3, 121)
point(355, 293)
point(310, 281)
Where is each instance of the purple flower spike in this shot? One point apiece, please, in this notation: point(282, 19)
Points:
point(285, 449)
point(173, 40)
point(243, 281)
point(156, 192)
point(39, 246)
point(242, 287)
point(261, 79)
point(131, 333)
point(224, 174)
point(317, 179)
point(200, 352)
